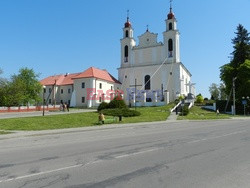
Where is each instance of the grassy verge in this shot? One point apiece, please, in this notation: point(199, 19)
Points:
point(4, 132)
point(148, 114)
point(197, 113)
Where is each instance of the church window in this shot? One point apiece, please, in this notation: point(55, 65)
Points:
point(170, 45)
point(170, 26)
point(44, 90)
point(49, 101)
point(100, 85)
point(171, 73)
point(147, 82)
point(170, 48)
point(126, 53)
point(69, 91)
point(126, 76)
point(127, 33)
point(61, 91)
point(83, 84)
point(100, 99)
point(83, 99)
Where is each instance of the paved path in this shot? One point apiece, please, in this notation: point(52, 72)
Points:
point(172, 117)
point(177, 154)
point(39, 113)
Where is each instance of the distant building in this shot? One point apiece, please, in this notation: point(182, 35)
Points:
point(85, 89)
point(156, 66)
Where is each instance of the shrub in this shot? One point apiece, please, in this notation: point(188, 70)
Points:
point(125, 112)
point(103, 106)
point(117, 102)
point(199, 99)
point(184, 111)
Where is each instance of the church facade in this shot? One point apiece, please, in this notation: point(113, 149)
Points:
point(151, 72)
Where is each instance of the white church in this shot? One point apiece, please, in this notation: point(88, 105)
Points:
point(150, 74)
point(153, 68)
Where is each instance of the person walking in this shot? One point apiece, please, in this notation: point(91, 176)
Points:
point(67, 107)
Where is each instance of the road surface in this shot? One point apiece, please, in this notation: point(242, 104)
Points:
point(207, 154)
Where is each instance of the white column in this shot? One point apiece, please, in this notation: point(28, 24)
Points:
point(144, 95)
point(166, 97)
point(91, 85)
point(133, 95)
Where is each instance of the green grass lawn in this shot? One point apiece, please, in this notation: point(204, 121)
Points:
point(148, 114)
point(196, 113)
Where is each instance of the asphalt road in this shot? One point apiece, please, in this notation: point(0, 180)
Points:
point(202, 154)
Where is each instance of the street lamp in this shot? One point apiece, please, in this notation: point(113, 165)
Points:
point(44, 87)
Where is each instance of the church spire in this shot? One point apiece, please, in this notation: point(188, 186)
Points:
point(127, 24)
point(170, 14)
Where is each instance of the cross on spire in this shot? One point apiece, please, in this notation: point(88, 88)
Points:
point(147, 28)
point(171, 5)
point(127, 15)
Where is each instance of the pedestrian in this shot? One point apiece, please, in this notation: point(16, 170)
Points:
point(101, 118)
point(68, 107)
point(63, 105)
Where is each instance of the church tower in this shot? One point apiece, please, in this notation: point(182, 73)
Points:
point(172, 38)
point(127, 44)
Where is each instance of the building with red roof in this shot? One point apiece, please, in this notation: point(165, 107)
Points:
point(85, 89)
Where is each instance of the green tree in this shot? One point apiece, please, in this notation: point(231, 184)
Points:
point(214, 91)
point(13, 93)
point(28, 79)
point(244, 79)
point(222, 89)
point(199, 98)
point(233, 69)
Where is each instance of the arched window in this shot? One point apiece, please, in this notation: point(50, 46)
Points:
point(127, 33)
point(170, 48)
point(126, 53)
point(147, 82)
point(170, 26)
point(170, 45)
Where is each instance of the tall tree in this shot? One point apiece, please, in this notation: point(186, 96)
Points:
point(222, 89)
point(240, 54)
point(28, 79)
point(214, 91)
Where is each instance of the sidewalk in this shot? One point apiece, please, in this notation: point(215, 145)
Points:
point(172, 117)
point(39, 113)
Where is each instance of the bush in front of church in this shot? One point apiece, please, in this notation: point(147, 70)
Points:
point(102, 106)
point(117, 102)
point(123, 112)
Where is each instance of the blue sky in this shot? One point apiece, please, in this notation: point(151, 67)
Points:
point(59, 36)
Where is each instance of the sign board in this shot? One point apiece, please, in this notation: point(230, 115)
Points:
point(244, 102)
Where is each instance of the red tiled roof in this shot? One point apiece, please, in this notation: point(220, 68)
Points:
point(93, 72)
point(68, 78)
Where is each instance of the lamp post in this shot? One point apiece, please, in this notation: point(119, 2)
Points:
point(44, 87)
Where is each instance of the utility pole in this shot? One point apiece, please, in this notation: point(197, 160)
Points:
point(135, 90)
point(234, 108)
